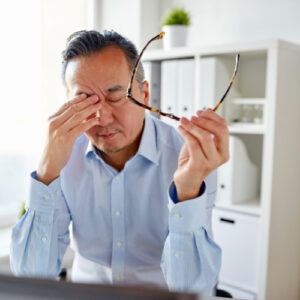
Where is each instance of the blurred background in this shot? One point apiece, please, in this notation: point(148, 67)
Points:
point(34, 33)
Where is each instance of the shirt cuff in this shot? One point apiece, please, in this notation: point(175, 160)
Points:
point(188, 215)
point(173, 191)
point(44, 197)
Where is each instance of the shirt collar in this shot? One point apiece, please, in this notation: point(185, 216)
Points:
point(148, 144)
point(90, 150)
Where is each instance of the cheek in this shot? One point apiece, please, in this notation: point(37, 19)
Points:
point(131, 118)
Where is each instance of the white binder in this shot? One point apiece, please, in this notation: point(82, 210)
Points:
point(215, 75)
point(178, 88)
point(186, 88)
point(169, 89)
point(153, 76)
point(237, 178)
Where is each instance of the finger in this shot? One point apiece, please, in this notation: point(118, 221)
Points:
point(211, 115)
point(74, 109)
point(66, 105)
point(193, 147)
point(80, 117)
point(82, 128)
point(211, 126)
point(203, 137)
point(220, 132)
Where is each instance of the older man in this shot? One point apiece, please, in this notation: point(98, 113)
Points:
point(138, 194)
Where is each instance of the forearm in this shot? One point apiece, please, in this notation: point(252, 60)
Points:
point(191, 259)
point(191, 262)
point(40, 238)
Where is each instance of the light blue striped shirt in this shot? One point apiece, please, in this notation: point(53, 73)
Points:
point(126, 226)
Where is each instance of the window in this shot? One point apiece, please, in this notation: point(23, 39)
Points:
point(20, 79)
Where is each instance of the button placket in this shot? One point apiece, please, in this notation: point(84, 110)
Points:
point(118, 224)
point(46, 196)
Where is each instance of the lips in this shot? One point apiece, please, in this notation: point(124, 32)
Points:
point(106, 136)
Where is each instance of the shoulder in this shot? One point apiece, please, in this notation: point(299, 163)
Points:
point(81, 144)
point(167, 137)
point(79, 153)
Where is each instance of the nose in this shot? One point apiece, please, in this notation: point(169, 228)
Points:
point(104, 113)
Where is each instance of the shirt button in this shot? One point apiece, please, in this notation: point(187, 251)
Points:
point(44, 239)
point(46, 197)
point(118, 278)
point(177, 255)
point(117, 213)
point(119, 244)
point(57, 192)
point(117, 177)
point(177, 215)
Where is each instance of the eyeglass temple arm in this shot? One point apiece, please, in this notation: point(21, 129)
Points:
point(237, 59)
point(155, 110)
point(157, 37)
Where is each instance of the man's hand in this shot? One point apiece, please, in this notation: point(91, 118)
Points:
point(206, 147)
point(65, 126)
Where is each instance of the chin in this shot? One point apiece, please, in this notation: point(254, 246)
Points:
point(111, 150)
point(108, 147)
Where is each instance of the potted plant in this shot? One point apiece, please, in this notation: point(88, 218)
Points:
point(175, 23)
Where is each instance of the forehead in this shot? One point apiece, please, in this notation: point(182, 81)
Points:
point(106, 67)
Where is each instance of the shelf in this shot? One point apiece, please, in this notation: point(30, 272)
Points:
point(255, 48)
point(251, 101)
point(246, 128)
point(250, 207)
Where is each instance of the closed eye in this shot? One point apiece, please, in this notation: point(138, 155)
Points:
point(116, 99)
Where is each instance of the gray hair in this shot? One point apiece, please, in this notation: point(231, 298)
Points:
point(87, 42)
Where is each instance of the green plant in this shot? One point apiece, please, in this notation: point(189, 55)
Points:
point(23, 210)
point(176, 16)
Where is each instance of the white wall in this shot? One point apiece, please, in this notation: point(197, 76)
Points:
point(213, 21)
point(59, 20)
point(218, 22)
point(138, 20)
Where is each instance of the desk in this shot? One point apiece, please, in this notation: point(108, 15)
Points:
point(13, 288)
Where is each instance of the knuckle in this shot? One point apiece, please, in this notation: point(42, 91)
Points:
point(224, 131)
point(52, 124)
point(73, 109)
point(76, 116)
point(67, 104)
point(224, 123)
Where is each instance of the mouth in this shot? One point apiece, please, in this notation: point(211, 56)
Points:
point(107, 136)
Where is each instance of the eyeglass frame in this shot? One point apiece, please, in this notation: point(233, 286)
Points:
point(158, 111)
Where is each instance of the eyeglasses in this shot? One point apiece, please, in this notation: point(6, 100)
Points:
point(155, 110)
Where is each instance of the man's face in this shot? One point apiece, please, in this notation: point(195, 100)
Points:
point(107, 75)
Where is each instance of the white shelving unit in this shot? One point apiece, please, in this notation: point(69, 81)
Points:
point(268, 76)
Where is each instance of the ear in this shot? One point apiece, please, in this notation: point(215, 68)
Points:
point(146, 93)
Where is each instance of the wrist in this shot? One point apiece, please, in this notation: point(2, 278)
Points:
point(187, 193)
point(46, 176)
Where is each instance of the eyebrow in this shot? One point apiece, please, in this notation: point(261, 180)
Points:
point(115, 88)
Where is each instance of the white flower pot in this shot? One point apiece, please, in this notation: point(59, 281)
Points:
point(175, 36)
